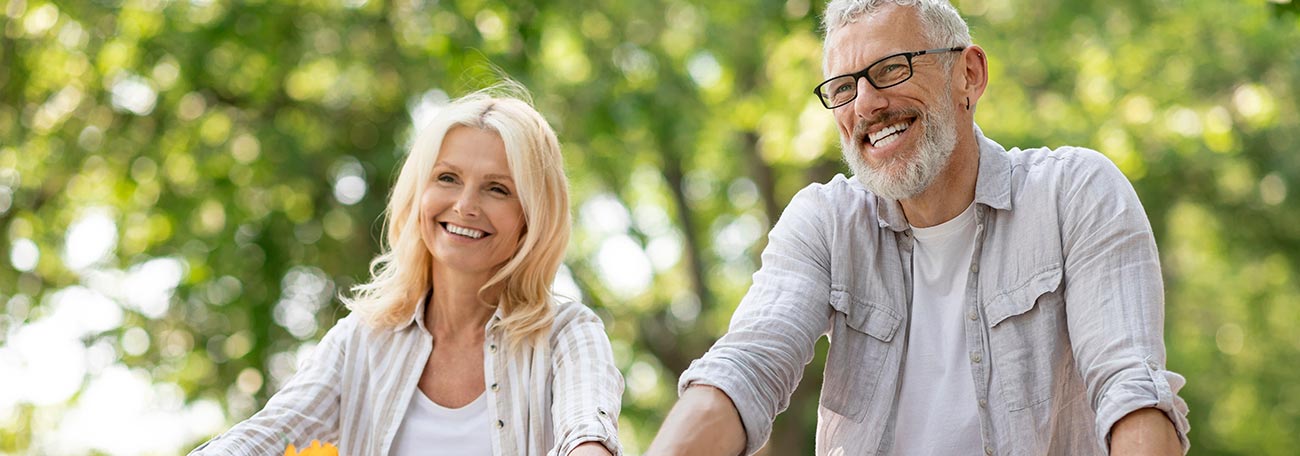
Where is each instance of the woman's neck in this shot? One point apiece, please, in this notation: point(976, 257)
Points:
point(455, 309)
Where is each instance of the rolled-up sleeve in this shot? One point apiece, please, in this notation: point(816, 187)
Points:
point(760, 360)
point(588, 387)
point(1115, 298)
point(306, 409)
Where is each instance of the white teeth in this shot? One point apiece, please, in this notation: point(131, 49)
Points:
point(877, 137)
point(886, 141)
point(467, 232)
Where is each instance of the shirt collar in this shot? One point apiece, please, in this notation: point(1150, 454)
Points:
point(417, 315)
point(992, 185)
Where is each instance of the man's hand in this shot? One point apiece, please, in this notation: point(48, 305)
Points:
point(590, 449)
point(1146, 431)
point(704, 422)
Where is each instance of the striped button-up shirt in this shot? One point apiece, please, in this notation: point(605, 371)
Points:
point(1063, 311)
point(355, 387)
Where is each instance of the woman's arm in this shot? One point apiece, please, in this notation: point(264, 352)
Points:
point(306, 409)
point(587, 387)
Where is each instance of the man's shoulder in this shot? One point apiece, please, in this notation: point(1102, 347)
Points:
point(1065, 159)
point(1055, 175)
point(1065, 168)
point(838, 191)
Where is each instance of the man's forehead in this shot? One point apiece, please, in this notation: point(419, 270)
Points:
point(889, 30)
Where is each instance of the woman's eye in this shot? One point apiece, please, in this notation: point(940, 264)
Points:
point(446, 178)
point(501, 190)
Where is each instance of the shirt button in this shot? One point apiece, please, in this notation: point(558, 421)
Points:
point(975, 357)
point(984, 403)
point(501, 424)
point(494, 387)
point(973, 315)
point(988, 450)
point(492, 348)
point(975, 268)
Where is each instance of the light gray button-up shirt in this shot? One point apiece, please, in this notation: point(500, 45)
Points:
point(1064, 300)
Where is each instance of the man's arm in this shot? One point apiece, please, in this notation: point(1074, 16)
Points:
point(1147, 431)
point(1114, 298)
point(704, 422)
point(590, 449)
point(756, 365)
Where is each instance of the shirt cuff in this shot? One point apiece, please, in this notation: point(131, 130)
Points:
point(1152, 387)
point(755, 421)
point(600, 429)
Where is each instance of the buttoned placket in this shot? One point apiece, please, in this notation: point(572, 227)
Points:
point(490, 376)
point(906, 243)
point(976, 342)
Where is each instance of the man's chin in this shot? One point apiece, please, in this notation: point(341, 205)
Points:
point(888, 187)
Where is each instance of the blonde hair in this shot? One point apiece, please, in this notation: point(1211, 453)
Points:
point(400, 274)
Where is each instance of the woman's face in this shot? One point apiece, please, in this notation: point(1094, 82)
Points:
point(471, 219)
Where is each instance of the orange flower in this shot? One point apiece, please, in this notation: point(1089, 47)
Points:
point(314, 450)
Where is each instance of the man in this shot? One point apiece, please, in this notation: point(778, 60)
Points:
point(978, 300)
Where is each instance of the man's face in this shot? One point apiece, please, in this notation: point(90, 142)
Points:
point(896, 140)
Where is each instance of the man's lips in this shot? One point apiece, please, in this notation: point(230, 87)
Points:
point(882, 130)
point(887, 135)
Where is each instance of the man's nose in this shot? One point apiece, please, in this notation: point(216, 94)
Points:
point(869, 101)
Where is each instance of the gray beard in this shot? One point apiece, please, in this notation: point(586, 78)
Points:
point(904, 176)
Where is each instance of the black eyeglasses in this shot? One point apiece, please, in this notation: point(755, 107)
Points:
point(884, 73)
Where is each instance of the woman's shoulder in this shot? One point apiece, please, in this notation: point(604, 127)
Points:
point(574, 320)
point(568, 311)
point(353, 331)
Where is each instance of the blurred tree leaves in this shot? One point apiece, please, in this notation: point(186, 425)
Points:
point(215, 171)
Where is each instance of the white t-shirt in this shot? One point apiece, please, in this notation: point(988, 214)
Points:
point(429, 428)
point(937, 411)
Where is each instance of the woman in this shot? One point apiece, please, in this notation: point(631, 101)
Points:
point(455, 345)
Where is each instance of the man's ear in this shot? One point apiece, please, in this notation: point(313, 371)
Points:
point(972, 77)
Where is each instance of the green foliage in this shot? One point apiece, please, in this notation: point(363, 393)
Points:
point(181, 198)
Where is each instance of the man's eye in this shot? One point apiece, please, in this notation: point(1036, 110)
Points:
point(893, 68)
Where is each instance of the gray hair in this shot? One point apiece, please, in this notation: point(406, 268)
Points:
point(942, 24)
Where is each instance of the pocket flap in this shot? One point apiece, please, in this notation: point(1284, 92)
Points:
point(1021, 298)
point(875, 320)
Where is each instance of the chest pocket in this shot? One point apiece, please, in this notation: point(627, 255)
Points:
point(861, 332)
point(1028, 339)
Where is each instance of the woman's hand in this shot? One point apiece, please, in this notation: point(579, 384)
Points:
point(590, 449)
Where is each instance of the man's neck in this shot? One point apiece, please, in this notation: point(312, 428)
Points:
point(953, 189)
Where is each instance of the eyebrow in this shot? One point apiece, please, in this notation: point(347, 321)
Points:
point(499, 177)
